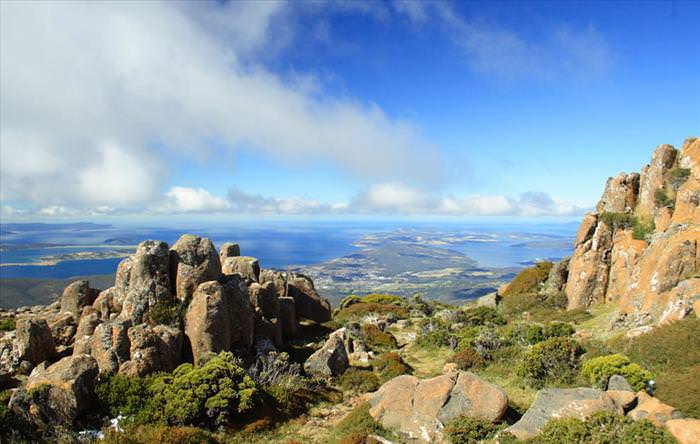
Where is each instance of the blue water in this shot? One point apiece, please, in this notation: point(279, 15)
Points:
point(277, 244)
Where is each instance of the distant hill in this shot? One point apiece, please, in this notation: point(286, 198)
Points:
point(19, 292)
point(38, 226)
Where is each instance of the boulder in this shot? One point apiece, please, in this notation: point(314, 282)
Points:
point(419, 409)
point(288, 316)
point(654, 176)
point(558, 275)
point(625, 400)
point(272, 328)
point(229, 249)
point(620, 194)
point(105, 304)
point(153, 349)
point(309, 304)
point(331, 359)
point(76, 296)
point(59, 394)
point(193, 260)
point(148, 280)
point(686, 431)
point(110, 344)
point(619, 383)
point(589, 268)
point(34, 342)
point(489, 300)
point(652, 409)
point(246, 266)
point(552, 403)
point(89, 320)
point(63, 328)
point(264, 297)
point(219, 318)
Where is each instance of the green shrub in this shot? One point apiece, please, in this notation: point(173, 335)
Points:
point(672, 346)
point(599, 370)
point(601, 428)
point(158, 434)
point(558, 330)
point(362, 309)
point(470, 430)
point(661, 198)
point(349, 300)
point(678, 176)
point(554, 361)
point(208, 395)
point(121, 395)
point(435, 333)
point(7, 324)
point(617, 220)
point(390, 365)
point(5, 413)
point(389, 299)
point(359, 380)
point(529, 280)
point(167, 312)
point(377, 339)
point(482, 316)
point(466, 337)
point(643, 228)
point(681, 389)
point(357, 425)
point(466, 359)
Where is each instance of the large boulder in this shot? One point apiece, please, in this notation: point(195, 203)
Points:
point(654, 176)
point(110, 344)
point(148, 282)
point(552, 403)
point(419, 409)
point(229, 249)
point(34, 341)
point(63, 328)
point(558, 275)
point(76, 296)
point(652, 409)
point(308, 303)
point(264, 298)
point(288, 316)
point(589, 266)
point(686, 431)
point(332, 358)
point(620, 194)
point(246, 266)
point(58, 395)
point(106, 303)
point(219, 318)
point(153, 349)
point(193, 260)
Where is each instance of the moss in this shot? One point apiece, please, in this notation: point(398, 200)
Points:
point(529, 279)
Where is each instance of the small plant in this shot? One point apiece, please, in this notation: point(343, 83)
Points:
point(356, 426)
point(470, 430)
point(390, 365)
point(359, 380)
point(377, 339)
point(599, 370)
point(466, 359)
point(7, 324)
point(617, 220)
point(482, 316)
point(554, 361)
point(121, 395)
point(529, 280)
point(362, 309)
point(677, 177)
point(643, 228)
point(388, 299)
point(661, 198)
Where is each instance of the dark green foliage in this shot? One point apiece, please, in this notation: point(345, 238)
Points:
point(470, 430)
point(643, 228)
point(678, 176)
point(121, 395)
point(362, 309)
point(602, 428)
point(661, 198)
point(599, 370)
point(529, 280)
point(159, 434)
point(466, 359)
point(205, 396)
point(390, 365)
point(377, 339)
point(551, 362)
point(435, 333)
point(382, 299)
point(617, 220)
point(7, 324)
point(5, 413)
point(482, 316)
point(167, 312)
point(357, 424)
point(542, 308)
point(359, 380)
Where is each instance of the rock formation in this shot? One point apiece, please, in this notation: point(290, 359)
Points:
point(639, 249)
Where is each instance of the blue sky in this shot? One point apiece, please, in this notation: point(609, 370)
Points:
point(330, 109)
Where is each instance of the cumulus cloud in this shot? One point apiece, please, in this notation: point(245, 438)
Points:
point(247, 203)
point(192, 200)
point(99, 97)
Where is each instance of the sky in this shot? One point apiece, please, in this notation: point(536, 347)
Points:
point(336, 109)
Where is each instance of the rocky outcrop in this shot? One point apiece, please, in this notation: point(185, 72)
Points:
point(419, 409)
point(229, 249)
point(148, 272)
point(246, 266)
point(332, 358)
point(59, 394)
point(193, 260)
point(552, 403)
point(63, 328)
point(309, 304)
point(34, 342)
point(153, 349)
point(110, 344)
point(76, 296)
point(557, 278)
point(219, 318)
point(639, 249)
point(686, 431)
point(653, 410)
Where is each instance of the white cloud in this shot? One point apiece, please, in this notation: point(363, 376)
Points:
point(99, 99)
point(242, 202)
point(192, 200)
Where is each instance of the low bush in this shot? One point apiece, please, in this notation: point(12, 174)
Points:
point(599, 370)
point(482, 316)
point(362, 309)
point(121, 395)
point(529, 280)
point(466, 359)
point(661, 198)
point(466, 337)
point(356, 426)
point(7, 324)
point(487, 343)
point(551, 362)
point(5, 413)
point(672, 346)
point(602, 428)
point(617, 220)
point(470, 430)
point(359, 380)
point(643, 228)
point(681, 389)
point(382, 299)
point(678, 176)
point(390, 365)
point(377, 339)
point(435, 333)
point(158, 434)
